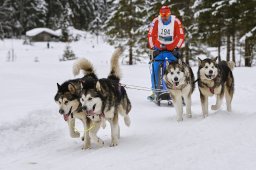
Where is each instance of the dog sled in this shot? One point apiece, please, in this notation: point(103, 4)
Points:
point(160, 92)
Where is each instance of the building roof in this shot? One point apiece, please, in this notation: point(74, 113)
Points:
point(37, 31)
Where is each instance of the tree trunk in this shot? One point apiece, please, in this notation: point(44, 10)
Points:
point(228, 48)
point(187, 53)
point(130, 55)
point(247, 54)
point(234, 48)
point(219, 49)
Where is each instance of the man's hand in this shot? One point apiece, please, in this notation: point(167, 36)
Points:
point(163, 47)
point(156, 49)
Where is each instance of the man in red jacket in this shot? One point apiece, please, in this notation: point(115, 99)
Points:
point(165, 34)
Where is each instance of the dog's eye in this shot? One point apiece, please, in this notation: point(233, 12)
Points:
point(89, 98)
point(59, 102)
point(66, 102)
point(212, 66)
point(82, 99)
point(178, 72)
point(171, 73)
point(206, 67)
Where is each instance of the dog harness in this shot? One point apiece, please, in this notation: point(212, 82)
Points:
point(211, 90)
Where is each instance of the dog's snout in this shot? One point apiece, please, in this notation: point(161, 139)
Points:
point(61, 111)
point(176, 79)
point(84, 108)
point(210, 72)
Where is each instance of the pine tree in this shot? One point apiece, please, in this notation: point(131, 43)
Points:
point(102, 11)
point(65, 22)
point(83, 13)
point(68, 54)
point(247, 24)
point(55, 10)
point(6, 21)
point(124, 26)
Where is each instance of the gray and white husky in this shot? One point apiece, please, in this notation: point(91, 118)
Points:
point(179, 79)
point(105, 98)
point(68, 100)
point(215, 79)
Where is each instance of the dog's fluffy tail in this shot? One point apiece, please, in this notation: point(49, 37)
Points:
point(115, 72)
point(231, 65)
point(84, 65)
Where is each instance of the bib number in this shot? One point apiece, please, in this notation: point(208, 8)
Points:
point(165, 31)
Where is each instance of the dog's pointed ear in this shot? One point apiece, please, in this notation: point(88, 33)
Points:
point(72, 88)
point(98, 86)
point(81, 83)
point(58, 86)
point(215, 59)
point(199, 61)
point(179, 61)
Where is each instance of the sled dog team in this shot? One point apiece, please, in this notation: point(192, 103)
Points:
point(96, 100)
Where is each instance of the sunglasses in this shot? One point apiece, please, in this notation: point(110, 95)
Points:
point(164, 14)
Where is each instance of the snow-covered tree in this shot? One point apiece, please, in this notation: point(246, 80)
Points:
point(124, 26)
point(55, 10)
point(6, 21)
point(65, 22)
point(83, 13)
point(247, 28)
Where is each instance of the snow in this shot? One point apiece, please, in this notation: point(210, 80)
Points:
point(232, 2)
point(37, 31)
point(247, 35)
point(34, 136)
point(196, 15)
point(73, 32)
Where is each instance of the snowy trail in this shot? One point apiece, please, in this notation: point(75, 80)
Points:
point(34, 136)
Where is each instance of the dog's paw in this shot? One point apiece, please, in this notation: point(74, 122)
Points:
point(127, 121)
point(179, 119)
point(205, 115)
point(189, 115)
point(100, 142)
point(75, 135)
point(114, 143)
point(214, 107)
point(86, 146)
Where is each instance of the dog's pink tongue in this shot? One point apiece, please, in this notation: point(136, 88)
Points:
point(174, 86)
point(65, 117)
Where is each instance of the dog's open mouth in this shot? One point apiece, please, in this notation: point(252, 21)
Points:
point(65, 116)
point(209, 76)
point(91, 112)
point(176, 83)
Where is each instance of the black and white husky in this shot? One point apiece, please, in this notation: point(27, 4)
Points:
point(179, 79)
point(68, 100)
point(103, 99)
point(215, 79)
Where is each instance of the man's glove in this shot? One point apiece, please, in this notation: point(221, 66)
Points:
point(162, 46)
point(176, 52)
point(156, 49)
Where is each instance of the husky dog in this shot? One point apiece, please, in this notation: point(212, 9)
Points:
point(68, 99)
point(215, 79)
point(179, 79)
point(105, 98)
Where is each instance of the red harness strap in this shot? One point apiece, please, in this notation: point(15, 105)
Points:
point(211, 90)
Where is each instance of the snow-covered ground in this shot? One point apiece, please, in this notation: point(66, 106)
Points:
point(34, 136)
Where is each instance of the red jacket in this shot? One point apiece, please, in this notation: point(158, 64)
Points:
point(178, 37)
